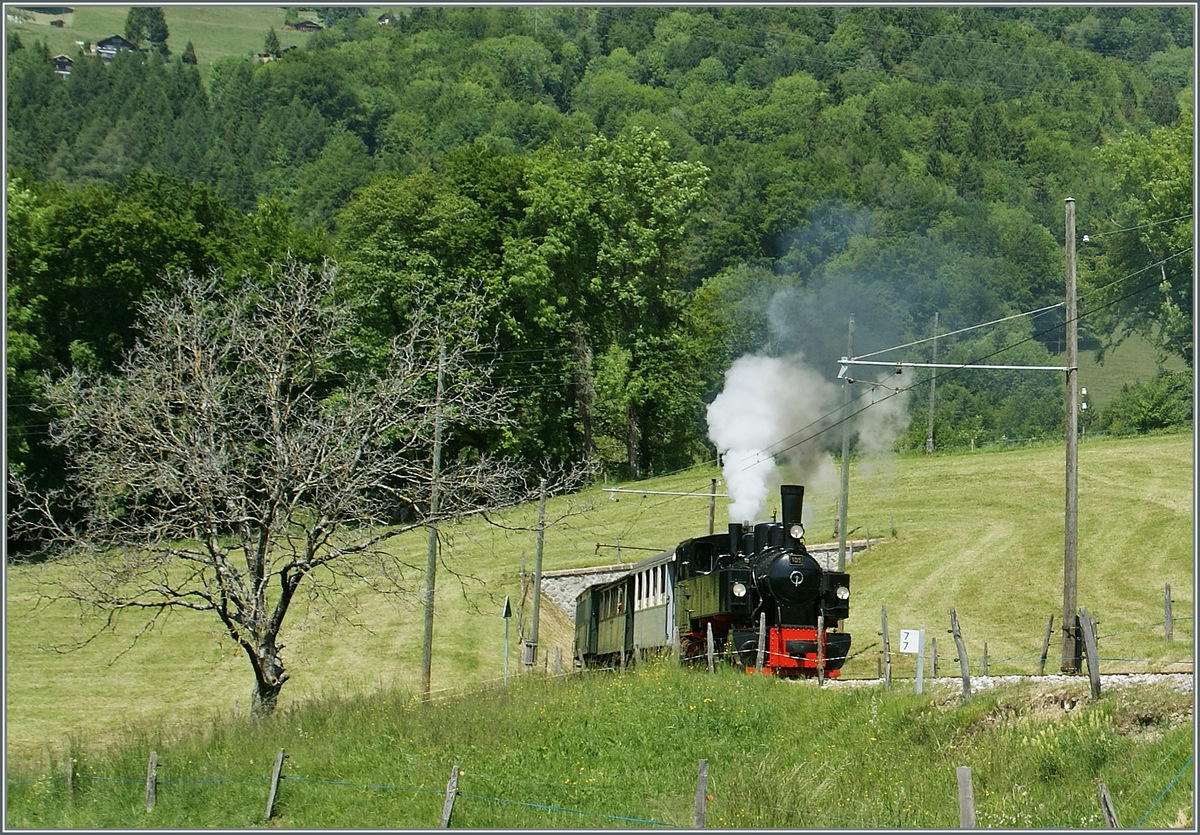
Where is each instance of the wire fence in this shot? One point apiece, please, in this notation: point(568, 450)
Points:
point(453, 794)
point(72, 780)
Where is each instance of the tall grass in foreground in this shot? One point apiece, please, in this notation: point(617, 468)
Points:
point(608, 750)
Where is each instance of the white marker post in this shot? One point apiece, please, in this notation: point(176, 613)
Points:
point(507, 614)
point(913, 641)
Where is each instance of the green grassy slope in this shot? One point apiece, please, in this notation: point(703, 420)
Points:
point(621, 751)
point(1134, 361)
point(982, 532)
point(216, 30)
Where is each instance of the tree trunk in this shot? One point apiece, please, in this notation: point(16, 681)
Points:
point(633, 437)
point(269, 677)
point(585, 384)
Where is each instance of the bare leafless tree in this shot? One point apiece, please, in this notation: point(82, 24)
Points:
point(242, 446)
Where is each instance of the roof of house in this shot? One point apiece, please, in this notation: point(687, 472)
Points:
point(115, 42)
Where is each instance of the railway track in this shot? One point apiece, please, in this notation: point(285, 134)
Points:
point(1184, 682)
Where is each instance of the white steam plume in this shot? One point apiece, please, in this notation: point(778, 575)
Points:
point(771, 403)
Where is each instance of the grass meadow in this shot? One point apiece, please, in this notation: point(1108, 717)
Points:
point(216, 30)
point(621, 750)
point(980, 531)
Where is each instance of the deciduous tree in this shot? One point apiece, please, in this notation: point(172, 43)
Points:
point(1152, 246)
point(232, 459)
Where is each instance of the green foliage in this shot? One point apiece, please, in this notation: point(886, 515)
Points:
point(900, 161)
point(1144, 271)
point(1161, 403)
point(147, 23)
point(80, 261)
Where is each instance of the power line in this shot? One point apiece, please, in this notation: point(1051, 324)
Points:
point(894, 392)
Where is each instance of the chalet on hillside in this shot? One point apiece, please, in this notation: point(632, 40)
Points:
point(386, 19)
point(308, 26)
point(62, 64)
point(110, 46)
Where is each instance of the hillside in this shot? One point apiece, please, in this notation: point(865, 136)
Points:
point(633, 198)
point(981, 532)
point(215, 31)
point(608, 750)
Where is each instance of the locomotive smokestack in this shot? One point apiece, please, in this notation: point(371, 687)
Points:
point(792, 496)
point(735, 538)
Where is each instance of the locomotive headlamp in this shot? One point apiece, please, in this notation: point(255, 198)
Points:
point(843, 593)
point(796, 531)
point(739, 589)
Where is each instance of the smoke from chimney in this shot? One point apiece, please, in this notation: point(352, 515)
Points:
point(779, 411)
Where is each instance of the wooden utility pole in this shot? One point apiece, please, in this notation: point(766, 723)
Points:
point(845, 494)
point(531, 646)
point(932, 387)
point(431, 562)
point(1069, 664)
point(712, 507)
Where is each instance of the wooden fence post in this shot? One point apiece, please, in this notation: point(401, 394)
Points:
point(70, 775)
point(1090, 649)
point(887, 654)
point(451, 793)
point(274, 784)
point(762, 640)
point(984, 665)
point(966, 798)
point(701, 795)
point(152, 781)
point(962, 654)
point(1106, 806)
point(1046, 646)
point(709, 644)
point(933, 657)
point(821, 649)
point(1168, 620)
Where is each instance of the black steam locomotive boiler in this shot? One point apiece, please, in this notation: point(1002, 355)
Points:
point(754, 587)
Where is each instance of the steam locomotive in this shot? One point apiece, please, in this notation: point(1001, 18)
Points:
point(750, 582)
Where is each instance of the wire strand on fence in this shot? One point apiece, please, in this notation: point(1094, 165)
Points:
point(381, 787)
point(566, 810)
point(378, 787)
point(1163, 793)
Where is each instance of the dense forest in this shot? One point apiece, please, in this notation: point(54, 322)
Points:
point(637, 196)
